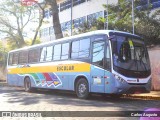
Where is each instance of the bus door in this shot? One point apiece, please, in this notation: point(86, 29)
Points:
point(97, 68)
point(109, 83)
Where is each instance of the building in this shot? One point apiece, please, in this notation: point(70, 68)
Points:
point(144, 4)
point(82, 10)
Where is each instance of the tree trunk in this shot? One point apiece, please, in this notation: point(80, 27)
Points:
point(55, 16)
point(40, 23)
point(21, 39)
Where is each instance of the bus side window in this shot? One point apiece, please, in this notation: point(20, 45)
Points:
point(80, 48)
point(23, 57)
point(65, 51)
point(98, 53)
point(75, 49)
point(84, 47)
point(10, 59)
point(33, 56)
point(43, 53)
point(15, 58)
point(49, 53)
point(57, 52)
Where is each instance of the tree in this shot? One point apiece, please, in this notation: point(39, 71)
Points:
point(42, 9)
point(3, 55)
point(55, 16)
point(119, 16)
point(146, 21)
point(91, 25)
point(148, 27)
point(15, 19)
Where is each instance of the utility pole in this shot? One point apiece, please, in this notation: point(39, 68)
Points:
point(148, 8)
point(107, 16)
point(133, 16)
point(71, 16)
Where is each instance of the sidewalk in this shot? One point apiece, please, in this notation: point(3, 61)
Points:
point(153, 95)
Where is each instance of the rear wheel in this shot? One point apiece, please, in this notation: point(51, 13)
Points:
point(82, 89)
point(27, 84)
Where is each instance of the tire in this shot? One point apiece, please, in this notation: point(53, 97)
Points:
point(27, 84)
point(82, 89)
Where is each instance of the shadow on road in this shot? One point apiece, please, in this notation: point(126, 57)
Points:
point(18, 95)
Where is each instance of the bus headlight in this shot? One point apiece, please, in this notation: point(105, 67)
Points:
point(121, 80)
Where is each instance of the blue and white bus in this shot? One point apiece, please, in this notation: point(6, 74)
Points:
point(104, 61)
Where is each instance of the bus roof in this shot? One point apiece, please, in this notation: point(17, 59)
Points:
point(72, 37)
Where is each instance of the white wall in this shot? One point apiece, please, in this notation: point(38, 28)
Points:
point(81, 10)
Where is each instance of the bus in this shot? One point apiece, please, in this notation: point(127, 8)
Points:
point(103, 61)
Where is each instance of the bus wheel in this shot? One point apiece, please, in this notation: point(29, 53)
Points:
point(82, 89)
point(27, 84)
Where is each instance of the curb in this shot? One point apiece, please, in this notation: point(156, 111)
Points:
point(142, 97)
point(3, 84)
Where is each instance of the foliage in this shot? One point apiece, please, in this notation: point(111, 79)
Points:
point(55, 18)
point(3, 55)
point(148, 27)
point(94, 24)
point(29, 41)
point(15, 20)
point(146, 22)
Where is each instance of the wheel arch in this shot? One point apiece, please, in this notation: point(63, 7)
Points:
point(27, 76)
point(77, 78)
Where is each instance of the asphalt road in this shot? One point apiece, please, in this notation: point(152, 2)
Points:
point(16, 99)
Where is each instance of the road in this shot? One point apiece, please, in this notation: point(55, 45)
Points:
point(16, 99)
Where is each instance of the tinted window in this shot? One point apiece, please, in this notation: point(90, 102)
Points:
point(98, 53)
point(75, 49)
point(23, 57)
point(57, 52)
point(49, 53)
point(80, 48)
point(10, 58)
point(84, 47)
point(33, 56)
point(65, 50)
point(43, 54)
point(15, 59)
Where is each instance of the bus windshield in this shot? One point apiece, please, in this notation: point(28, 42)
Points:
point(130, 53)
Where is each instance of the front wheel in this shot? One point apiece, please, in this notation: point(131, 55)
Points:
point(27, 84)
point(82, 89)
